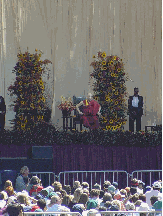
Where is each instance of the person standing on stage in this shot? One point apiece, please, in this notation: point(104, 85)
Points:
point(91, 109)
point(2, 113)
point(135, 110)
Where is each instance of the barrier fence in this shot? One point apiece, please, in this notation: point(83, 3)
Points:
point(47, 178)
point(102, 213)
point(147, 176)
point(92, 177)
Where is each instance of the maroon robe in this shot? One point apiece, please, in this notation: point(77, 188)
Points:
point(90, 119)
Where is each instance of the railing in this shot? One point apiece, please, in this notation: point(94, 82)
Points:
point(92, 177)
point(147, 176)
point(47, 178)
point(110, 213)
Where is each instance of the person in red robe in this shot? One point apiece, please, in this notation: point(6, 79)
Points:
point(91, 109)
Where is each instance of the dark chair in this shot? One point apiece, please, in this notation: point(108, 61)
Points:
point(76, 117)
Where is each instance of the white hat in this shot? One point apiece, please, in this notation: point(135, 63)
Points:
point(156, 185)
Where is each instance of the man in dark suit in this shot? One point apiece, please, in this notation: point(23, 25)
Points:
point(2, 113)
point(135, 110)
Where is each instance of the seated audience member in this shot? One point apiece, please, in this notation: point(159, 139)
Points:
point(106, 185)
point(85, 185)
point(140, 187)
point(157, 206)
point(10, 191)
point(94, 194)
point(83, 199)
point(116, 206)
point(135, 197)
point(144, 206)
point(57, 186)
point(85, 190)
point(128, 191)
point(23, 199)
point(92, 204)
point(66, 200)
point(115, 184)
point(111, 190)
point(108, 205)
point(78, 208)
point(97, 186)
point(154, 192)
point(63, 192)
point(75, 200)
point(119, 197)
point(153, 199)
point(123, 193)
point(8, 183)
point(22, 180)
point(2, 200)
point(106, 197)
point(41, 203)
point(34, 186)
point(55, 205)
point(67, 188)
point(14, 210)
point(76, 185)
point(137, 204)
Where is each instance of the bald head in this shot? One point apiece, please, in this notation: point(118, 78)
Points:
point(89, 96)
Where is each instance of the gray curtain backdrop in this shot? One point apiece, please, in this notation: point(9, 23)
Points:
point(70, 32)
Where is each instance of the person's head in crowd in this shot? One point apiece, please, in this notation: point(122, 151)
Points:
point(128, 191)
point(119, 197)
point(44, 192)
point(78, 208)
point(107, 197)
point(156, 186)
point(57, 186)
point(133, 190)
point(8, 183)
point(142, 197)
point(138, 203)
point(135, 197)
point(42, 204)
point(14, 210)
point(115, 184)
point(111, 190)
point(130, 206)
point(76, 185)
point(55, 200)
point(147, 188)
point(91, 204)
point(141, 184)
point(66, 200)
point(94, 193)
point(134, 182)
point(10, 191)
point(85, 185)
point(24, 171)
point(23, 199)
point(97, 186)
point(77, 194)
point(108, 204)
point(34, 180)
point(116, 205)
point(153, 199)
point(106, 185)
point(101, 194)
point(157, 205)
point(67, 188)
point(83, 198)
point(63, 192)
point(123, 192)
point(85, 190)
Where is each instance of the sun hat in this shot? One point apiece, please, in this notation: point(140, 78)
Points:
point(156, 185)
point(111, 189)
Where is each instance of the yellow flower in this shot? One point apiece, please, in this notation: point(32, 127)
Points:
point(42, 87)
point(116, 93)
point(23, 125)
point(111, 121)
point(94, 56)
point(104, 68)
point(41, 83)
point(39, 55)
point(25, 121)
point(19, 71)
point(32, 105)
point(42, 117)
point(116, 103)
point(103, 62)
point(114, 127)
point(112, 75)
point(36, 50)
point(111, 62)
point(99, 74)
point(103, 55)
point(21, 117)
point(22, 102)
point(107, 98)
point(114, 57)
point(108, 127)
point(20, 64)
point(119, 69)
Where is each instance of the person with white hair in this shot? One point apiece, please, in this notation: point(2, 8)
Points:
point(91, 108)
point(22, 180)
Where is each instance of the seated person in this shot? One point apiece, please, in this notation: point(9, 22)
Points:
point(90, 110)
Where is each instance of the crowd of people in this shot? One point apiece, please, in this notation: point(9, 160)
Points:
point(29, 195)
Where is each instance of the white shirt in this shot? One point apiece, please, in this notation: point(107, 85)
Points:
point(135, 102)
point(57, 208)
point(139, 191)
point(151, 193)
